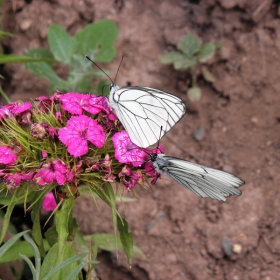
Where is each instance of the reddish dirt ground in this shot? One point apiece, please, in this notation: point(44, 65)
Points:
point(184, 236)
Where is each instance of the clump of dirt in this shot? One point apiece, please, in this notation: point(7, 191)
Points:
point(184, 236)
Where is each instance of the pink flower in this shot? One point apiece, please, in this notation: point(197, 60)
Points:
point(5, 111)
point(102, 103)
point(12, 181)
point(21, 108)
point(58, 116)
point(126, 151)
point(49, 202)
point(54, 171)
point(44, 154)
point(129, 179)
point(7, 156)
point(52, 131)
point(45, 104)
point(78, 132)
point(27, 176)
point(75, 103)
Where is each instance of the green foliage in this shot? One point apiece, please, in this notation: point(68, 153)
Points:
point(191, 57)
point(96, 40)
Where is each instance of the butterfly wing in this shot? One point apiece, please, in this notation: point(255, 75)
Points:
point(143, 111)
point(203, 181)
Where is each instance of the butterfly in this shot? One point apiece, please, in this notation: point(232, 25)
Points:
point(144, 112)
point(203, 181)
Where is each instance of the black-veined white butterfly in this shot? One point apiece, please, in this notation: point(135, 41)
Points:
point(143, 111)
point(203, 181)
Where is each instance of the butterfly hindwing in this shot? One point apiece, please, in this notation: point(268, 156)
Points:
point(203, 181)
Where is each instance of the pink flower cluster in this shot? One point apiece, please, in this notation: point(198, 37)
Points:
point(80, 124)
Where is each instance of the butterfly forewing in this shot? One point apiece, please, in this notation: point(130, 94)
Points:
point(146, 113)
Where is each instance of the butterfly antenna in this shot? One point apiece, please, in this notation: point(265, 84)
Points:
point(118, 69)
point(159, 139)
point(100, 69)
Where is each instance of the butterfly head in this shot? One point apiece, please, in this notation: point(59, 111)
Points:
point(153, 157)
point(113, 87)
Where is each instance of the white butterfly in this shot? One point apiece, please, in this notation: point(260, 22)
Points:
point(203, 181)
point(145, 112)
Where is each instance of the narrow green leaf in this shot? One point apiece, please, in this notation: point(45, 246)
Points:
point(190, 45)
point(185, 63)
point(31, 266)
point(36, 254)
point(65, 263)
point(3, 33)
point(4, 95)
point(13, 58)
point(126, 239)
point(97, 39)
point(63, 46)
point(206, 52)
point(76, 271)
point(20, 247)
point(8, 214)
point(49, 261)
point(11, 242)
point(171, 57)
point(63, 220)
point(35, 216)
point(194, 94)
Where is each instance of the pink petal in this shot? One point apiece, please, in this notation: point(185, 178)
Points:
point(49, 202)
point(7, 156)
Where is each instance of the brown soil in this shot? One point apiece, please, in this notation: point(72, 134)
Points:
point(184, 236)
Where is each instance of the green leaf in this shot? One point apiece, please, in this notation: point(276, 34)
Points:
point(3, 33)
point(190, 45)
point(97, 39)
point(20, 247)
point(13, 58)
point(41, 53)
point(171, 57)
point(36, 255)
point(206, 52)
point(65, 267)
point(185, 63)
point(8, 214)
point(64, 225)
point(194, 94)
point(43, 69)
point(62, 45)
point(51, 235)
point(4, 95)
point(75, 272)
point(11, 242)
point(111, 243)
point(207, 75)
point(31, 266)
point(126, 238)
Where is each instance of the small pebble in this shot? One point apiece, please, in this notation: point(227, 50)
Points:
point(237, 248)
point(25, 25)
point(199, 134)
point(227, 247)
